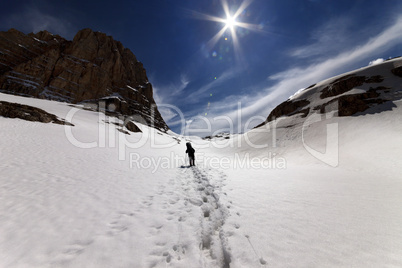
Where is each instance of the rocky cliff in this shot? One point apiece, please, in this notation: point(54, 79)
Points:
point(92, 68)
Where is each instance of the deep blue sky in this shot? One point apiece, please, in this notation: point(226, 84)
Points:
point(293, 44)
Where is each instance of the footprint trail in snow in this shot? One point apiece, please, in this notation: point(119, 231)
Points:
point(213, 238)
point(193, 210)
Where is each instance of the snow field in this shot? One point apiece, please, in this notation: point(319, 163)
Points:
point(64, 206)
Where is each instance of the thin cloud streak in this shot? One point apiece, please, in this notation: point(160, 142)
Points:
point(330, 37)
point(166, 94)
point(32, 19)
point(197, 95)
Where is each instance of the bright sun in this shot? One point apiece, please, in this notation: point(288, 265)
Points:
point(230, 22)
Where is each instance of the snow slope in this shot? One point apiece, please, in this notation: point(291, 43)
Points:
point(131, 201)
point(63, 206)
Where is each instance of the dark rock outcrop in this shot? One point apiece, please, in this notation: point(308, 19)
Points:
point(397, 71)
point(346, 83)
point(354, 103)
point(132, 127)
point(29, 113)
point(288, 108)
point(337, 87)
point(92, 68)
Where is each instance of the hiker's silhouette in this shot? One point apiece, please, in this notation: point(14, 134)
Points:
point(190, 151)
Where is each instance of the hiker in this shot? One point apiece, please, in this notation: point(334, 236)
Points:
point(190, 151)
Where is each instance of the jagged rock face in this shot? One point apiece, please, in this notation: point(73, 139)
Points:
point(91, 68)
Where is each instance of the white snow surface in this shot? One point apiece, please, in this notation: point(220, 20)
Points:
point(65, 206)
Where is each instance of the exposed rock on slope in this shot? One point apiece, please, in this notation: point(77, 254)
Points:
point(349, 94)
point(397, 71)
point(91, 68)
point(289, 108)
point(29, 113)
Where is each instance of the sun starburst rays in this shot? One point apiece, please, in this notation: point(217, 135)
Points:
point(242, 7)
point(230, 24)
point(212, 42)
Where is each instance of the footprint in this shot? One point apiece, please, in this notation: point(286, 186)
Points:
point(161, 190)
point(147, 203)
point(206, 214)
point(116, 228)
point(74, 250)
point(179, 251)
point(119, 229)
point(160, 244)
point(174, 201)
point(77, 248)
point(195, 202)
point(128, 214)
point(167, 255)
point(262, 261)
point(206, 242)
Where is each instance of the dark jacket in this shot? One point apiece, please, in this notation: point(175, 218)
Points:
point(190, 150)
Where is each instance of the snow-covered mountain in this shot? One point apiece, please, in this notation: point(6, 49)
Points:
point(331, 110)
point(359, 92)
point(318, 186)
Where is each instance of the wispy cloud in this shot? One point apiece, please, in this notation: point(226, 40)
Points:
point(178, 91)
point(327, 39)
point(32, 19)
point(219, 81)
point(168, 93)
point(287, 82)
